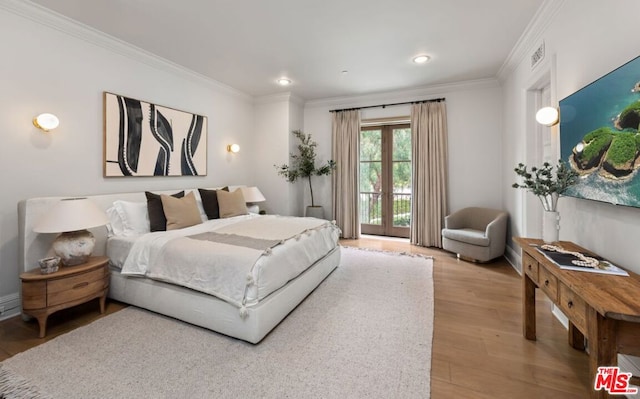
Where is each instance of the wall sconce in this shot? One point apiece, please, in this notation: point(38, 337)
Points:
point(234, 148)
point(547, 116)
point(46, 122)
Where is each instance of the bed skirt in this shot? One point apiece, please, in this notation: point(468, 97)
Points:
point(212, 313)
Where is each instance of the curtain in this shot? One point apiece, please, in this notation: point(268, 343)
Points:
point(345, 151)
point(429, 203)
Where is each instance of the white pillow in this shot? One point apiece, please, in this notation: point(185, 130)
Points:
point(134, 217)
point(115, 223)
point(203, 214)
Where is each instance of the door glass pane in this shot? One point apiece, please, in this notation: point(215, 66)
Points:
point(402, 144)
point(371, 145)
point(401, 174)
point(371, 177)
point(370, 192)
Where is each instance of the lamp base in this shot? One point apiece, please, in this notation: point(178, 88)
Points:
point(74, 247)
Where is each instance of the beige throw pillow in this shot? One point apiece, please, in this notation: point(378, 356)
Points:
point(231, 204)
point(180, 212)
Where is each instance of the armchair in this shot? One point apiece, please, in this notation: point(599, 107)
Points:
point(476, 234)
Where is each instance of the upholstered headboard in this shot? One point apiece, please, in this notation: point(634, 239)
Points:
point(35, 246)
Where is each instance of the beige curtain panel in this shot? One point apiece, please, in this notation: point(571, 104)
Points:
point(345, 151)
point(429, 204)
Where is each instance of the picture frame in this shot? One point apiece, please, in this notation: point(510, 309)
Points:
point(600, 137)
point(146, 139)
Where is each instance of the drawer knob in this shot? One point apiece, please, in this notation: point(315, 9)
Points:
point(546, 283)
point(529, 267)
point(80, 285)
point(570, 304)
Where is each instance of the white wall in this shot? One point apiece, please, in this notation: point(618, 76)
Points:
point(46, 68)
point(582, 44)
point(271, 147)
point(475, 142)
point(296, 122)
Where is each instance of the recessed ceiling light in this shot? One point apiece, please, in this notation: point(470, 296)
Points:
point(284, 82)
point(345, 72)
point(421, 59)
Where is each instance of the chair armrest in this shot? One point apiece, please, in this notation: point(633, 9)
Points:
point(497, 229)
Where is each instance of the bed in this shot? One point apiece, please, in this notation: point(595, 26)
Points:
point(277, 266)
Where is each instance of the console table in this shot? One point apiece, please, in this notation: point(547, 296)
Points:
point(603, 308)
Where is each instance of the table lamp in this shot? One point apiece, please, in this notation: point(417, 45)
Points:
point(251, 196)
point(72, 217)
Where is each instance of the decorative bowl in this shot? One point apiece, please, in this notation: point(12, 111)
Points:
point(49, 265)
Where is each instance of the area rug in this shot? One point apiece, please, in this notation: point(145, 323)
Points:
point(365, 332)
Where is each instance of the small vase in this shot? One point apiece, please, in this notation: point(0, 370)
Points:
point(550, 226)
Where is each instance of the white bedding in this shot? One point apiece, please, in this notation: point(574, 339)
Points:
point(118, 248)
point(279, 249)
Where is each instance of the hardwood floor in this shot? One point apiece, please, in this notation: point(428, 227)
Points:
point(478, 347)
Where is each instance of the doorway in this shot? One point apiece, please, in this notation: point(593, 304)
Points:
point(385, 180)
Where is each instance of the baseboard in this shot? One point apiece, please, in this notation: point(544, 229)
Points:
point(560, 316)
point(514, 258)
point(9, 306)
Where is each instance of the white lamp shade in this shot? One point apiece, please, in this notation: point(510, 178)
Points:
point(252, 194)
point(71, 214)
point(547, 116)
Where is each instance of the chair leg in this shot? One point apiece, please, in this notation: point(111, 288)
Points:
point(466, 258)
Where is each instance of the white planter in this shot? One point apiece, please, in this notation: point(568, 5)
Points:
point(314, 212)
point(550, 226)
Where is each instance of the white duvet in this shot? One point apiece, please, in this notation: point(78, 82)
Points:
point(250, 256)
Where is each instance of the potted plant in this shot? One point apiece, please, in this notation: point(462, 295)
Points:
point(547, 187)
point(303, 165)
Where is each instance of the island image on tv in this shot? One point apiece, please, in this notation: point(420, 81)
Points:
point(600, 137)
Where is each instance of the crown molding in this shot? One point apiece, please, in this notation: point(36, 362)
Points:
point(279, 97)
point(73, 28)
point(414, 94)
point(531, 36)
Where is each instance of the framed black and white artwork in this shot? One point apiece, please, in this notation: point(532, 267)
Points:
point(145, 139)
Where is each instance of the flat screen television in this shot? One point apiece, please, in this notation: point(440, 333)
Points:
point(599, 137)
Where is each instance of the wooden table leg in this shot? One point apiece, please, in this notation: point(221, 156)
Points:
point(602, 347)
point(102, 303)
point(42, 323)
point(576, 338)
point(528, 308)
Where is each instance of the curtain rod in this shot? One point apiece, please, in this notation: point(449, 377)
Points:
point(435, 100)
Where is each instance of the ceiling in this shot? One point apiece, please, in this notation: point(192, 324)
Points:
point(249, 44)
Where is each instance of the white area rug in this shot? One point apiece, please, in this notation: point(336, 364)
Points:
point(365, 332)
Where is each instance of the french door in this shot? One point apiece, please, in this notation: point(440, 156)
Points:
point(385, 180)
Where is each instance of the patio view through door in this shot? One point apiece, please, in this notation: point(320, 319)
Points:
point(385, 180)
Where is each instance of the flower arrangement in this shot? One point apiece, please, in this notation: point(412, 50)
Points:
point(544, 184)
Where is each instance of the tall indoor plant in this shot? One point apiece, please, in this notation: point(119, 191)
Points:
point(547, 186)
point(303, 165)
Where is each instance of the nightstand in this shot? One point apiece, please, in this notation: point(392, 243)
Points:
point(44, 294)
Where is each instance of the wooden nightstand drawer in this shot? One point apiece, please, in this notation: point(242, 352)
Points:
point(548, 283)
point(44, 294)
point(573, 307)
point(34, 295)
point(530, 267)
point(71, 288)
